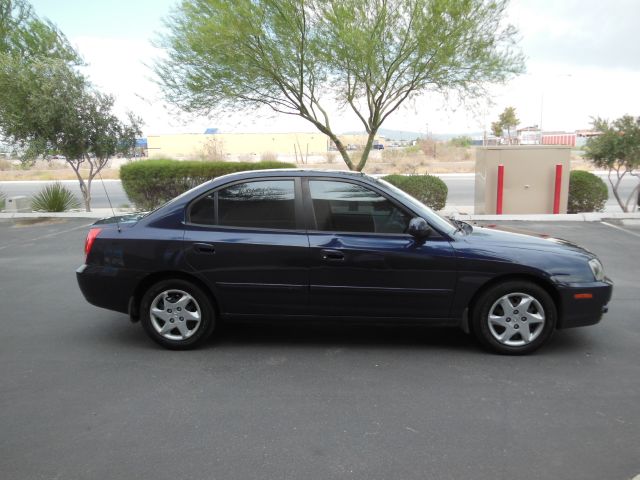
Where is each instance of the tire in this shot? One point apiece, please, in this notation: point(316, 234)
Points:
point(514, 318)
point(177, 314)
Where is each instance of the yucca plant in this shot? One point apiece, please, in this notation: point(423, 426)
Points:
point(54, 198)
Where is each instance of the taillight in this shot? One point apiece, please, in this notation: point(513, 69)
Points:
point(88, 243)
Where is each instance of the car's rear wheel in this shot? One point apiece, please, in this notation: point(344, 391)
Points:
point(177, 314)
point(514, 318)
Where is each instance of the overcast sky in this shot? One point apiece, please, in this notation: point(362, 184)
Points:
point(583, 60)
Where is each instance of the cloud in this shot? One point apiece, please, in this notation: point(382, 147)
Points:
point(583, 61)
point(586, 33)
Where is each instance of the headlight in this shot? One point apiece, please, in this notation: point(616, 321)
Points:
point(597, 269)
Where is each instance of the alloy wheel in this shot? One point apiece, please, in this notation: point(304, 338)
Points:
point(175, 314)
point(516, 319)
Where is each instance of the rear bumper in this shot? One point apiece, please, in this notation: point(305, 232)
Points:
point(106, 287)
point(588, 308)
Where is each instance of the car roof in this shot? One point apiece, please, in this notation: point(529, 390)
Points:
point(291, 172)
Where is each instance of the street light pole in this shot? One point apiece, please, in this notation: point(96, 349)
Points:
point(541, 105)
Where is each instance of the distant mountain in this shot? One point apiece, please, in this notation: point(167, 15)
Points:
point(392, 134)
point(409, 135)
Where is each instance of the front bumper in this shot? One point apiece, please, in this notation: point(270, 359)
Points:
point(583, 304)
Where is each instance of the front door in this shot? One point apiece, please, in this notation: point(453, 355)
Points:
point(246, 240)
point(363, 264)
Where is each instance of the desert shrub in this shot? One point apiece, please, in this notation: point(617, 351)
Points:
point(587, 192)
point(463, 141)
point(213, 150)
point(428, 189)
point(412, 149)
point(149, 183)
point(269, 157)
point(54, 198)
point(391, 154)
point(428, 146)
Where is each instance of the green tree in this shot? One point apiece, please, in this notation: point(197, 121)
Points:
point(46, 106)
point(506, 121)
point(298, 56)
point(23, 35)
point(617, 150)
point(496, 129)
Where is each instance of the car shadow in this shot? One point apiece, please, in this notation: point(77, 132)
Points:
point(336, 335)
point(274, 334)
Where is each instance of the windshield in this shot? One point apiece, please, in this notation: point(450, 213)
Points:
point(429, 215)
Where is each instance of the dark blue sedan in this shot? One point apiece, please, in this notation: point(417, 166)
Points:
point(333, 246)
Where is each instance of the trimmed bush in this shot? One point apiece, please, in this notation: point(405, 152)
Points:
point(54, 198)
point(428, 189)
point(587, 192)
point(150, 183)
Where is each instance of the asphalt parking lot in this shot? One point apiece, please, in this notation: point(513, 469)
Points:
point(84, 394)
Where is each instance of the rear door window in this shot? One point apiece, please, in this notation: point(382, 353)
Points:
point(256, 204)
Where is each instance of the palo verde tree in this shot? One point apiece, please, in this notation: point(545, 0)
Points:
point(299, 56)
point(25, 36)
point(617, 149)
point(47, 107)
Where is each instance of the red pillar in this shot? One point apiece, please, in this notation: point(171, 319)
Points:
point(500, 189)
point(556, 194)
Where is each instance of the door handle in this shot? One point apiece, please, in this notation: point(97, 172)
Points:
point(204, 248)
point(332, 255)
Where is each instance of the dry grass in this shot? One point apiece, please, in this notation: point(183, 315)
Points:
point(426, 157)
point(269, 157)
point(5, 164)
point(411, 160)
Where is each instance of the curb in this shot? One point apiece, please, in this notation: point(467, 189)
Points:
point(548, 217)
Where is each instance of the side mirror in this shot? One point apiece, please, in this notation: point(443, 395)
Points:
point(419, 228)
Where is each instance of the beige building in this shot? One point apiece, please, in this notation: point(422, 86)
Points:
point(198, 145)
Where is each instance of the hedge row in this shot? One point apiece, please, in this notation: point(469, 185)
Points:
point(587, 192)
point(428, 189)
point(149, 183)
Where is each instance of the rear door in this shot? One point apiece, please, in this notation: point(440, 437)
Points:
point(248, 240)
point(364, 264)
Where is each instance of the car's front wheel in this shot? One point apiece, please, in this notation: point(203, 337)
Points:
point(177, 314)
point(514, 318)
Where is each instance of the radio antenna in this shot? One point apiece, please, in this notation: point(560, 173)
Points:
point(109, 200)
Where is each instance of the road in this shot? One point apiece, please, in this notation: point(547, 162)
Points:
point(461, 190)
point(84, 393)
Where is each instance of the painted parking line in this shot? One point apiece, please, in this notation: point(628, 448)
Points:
point(48, 235)
point(621, 229)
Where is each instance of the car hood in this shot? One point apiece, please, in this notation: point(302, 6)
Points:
point(521, 239)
